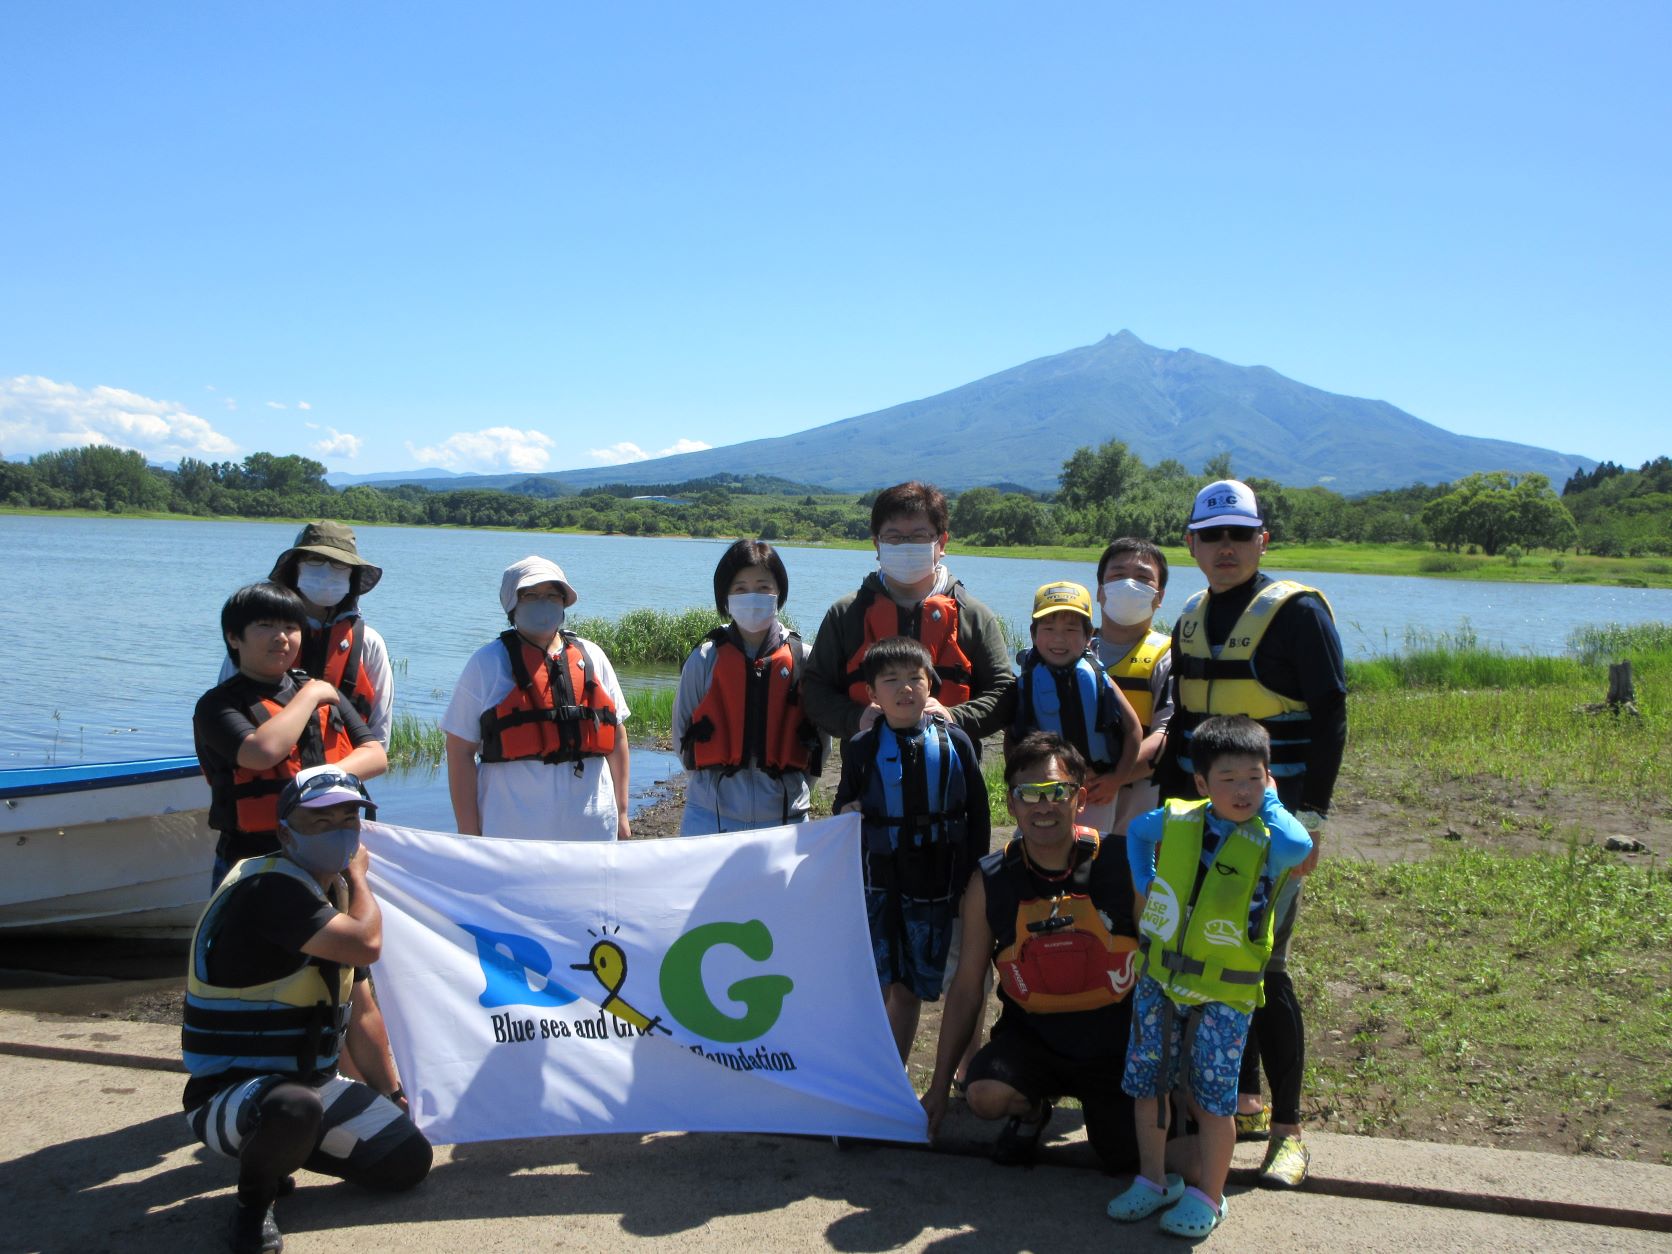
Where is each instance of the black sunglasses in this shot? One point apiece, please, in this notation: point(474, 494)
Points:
point(1215, 534)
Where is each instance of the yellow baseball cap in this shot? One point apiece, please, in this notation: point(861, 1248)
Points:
point(1052, 597)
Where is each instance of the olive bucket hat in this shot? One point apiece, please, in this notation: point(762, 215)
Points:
point(335, 542)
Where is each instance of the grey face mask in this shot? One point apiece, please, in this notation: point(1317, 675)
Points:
point(324, 853)
point(538, 618)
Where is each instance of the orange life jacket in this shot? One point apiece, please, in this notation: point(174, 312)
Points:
point(336, 654)
point(933, 622)
point(1060, 955)
point(324, 739)
point(556, 711)
point(751, 711)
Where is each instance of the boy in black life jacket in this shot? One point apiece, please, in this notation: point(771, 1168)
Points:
point(1062, 688)
point(1207, 874)
point(917, 783)
point(258, 729)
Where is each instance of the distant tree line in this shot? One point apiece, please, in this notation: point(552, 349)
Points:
point(1103, 492)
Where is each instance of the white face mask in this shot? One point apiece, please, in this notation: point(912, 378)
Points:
point(1128, 601)
point(752, 611)
point(907, 563)
point(538, 618)
point(323, 584)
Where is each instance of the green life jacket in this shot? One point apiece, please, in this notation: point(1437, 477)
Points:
point(1194, 928)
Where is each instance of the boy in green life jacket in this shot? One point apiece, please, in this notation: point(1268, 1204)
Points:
point(1205, 928)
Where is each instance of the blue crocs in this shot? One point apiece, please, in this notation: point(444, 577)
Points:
point(1195, 1216)
point(1143, 1197)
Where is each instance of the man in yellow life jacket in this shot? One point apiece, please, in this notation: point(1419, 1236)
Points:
point(267, 1023)
point(1267, 649)
point(1052, 913)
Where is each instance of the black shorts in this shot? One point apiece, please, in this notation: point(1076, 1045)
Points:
point(1021, 1060)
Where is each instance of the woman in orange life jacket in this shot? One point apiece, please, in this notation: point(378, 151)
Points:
point(737, 716)
point(325, 569)
point(543, 710)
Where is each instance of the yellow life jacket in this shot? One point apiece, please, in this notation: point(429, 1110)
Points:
point(292, 1025)
point(1133, 672)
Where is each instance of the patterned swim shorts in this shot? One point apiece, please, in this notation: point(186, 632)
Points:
point(1216, 1036)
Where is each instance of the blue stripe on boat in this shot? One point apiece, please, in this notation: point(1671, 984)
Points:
point(38, 781)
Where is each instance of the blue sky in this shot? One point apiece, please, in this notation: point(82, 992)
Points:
point(541, 236)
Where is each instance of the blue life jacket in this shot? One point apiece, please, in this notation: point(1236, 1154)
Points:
point(1077, 703)
point(913, 811)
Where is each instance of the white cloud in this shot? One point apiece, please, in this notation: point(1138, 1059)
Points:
point(37, 415)
point(627, 451)
point(277, 405)
point(497, 448)
point(337, 443)
point(231, 404)
point(303, 405)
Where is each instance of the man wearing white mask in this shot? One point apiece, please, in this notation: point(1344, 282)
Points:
point(1131, 580)
point(910, 594)
point(325, 569)
point(536, 742)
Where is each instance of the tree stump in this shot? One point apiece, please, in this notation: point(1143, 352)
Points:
point(1622, 693)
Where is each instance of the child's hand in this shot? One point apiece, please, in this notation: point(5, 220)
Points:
point(317, 692)
point(1101, 789)
point(868, 719)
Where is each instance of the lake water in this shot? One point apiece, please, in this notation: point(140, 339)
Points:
point(109, 627)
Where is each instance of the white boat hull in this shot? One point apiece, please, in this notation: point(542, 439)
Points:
point(129, 859)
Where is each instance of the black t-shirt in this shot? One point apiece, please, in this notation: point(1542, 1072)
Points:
point(1076, 1034)
point(263, 926)
point(1299, 657)
point(220, 724)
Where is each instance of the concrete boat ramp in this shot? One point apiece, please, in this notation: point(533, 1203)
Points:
point(96, 1156)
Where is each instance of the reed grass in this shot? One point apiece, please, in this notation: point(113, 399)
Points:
point(415, 741)
point(652, 713)
point(647, 637)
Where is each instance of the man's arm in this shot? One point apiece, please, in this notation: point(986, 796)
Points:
point(963, 1000)
point(374, 655)
point(353, 937)
point(367, 1043)
point(619, 759)
point(824, 690)
point(461, 784)
point(991, 676)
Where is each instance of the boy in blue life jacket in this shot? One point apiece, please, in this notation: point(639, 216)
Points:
point(1062, 688)
point(1205, 927)
point(917, 784)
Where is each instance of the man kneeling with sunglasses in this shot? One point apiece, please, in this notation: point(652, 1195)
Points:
point(1052, 912)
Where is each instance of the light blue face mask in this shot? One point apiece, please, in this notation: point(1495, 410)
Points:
point(538, 618)
point(324, 853)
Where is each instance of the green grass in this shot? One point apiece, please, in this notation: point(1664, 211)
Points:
point(1446, 712)
point(652, 713)
point(1489, 988)
point(647, 637)
point(415, 741)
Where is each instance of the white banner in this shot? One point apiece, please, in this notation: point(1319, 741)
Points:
point(715, 983)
